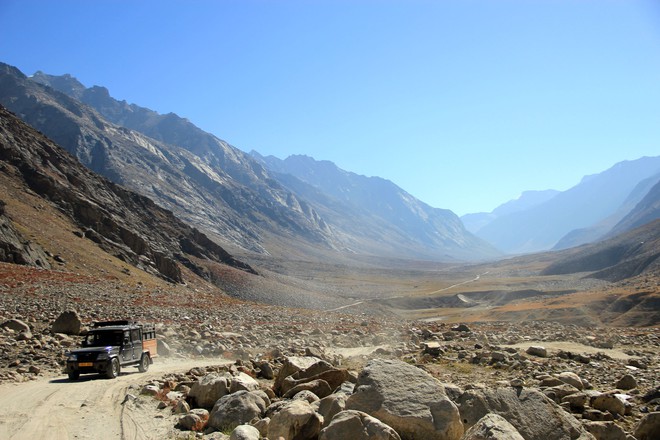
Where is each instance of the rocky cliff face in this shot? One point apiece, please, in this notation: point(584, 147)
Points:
point(124, 224)
point(14, 248)
point(216, 189)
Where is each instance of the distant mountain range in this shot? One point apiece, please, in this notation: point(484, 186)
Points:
point(372, 207)
point(598, 207)
point(244, 202)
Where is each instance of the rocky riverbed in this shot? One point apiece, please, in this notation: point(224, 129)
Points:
point(306, 374)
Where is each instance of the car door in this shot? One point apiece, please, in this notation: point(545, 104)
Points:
point(126, 353)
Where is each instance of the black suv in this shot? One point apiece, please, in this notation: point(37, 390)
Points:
point(111, 345)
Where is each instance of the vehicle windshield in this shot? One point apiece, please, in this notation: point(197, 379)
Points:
point(104, 338)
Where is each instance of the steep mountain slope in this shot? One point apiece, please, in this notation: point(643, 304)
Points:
point(124, 224)
point(595, 198)
point(603, 227)
point(274, 220)
point(369, 208)
point(224, 192)
point(646, 211)
point(528, 199)
point(623, 256)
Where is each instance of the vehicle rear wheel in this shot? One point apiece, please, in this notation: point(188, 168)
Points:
point(74, 375)
point(144, 363)
point(113, 369)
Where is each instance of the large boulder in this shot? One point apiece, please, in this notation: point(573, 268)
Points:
point(606, 430)
point(243, 382)
point(320, 370)
point(531, 412)
point(492, 427)
point(356, 425)
point(245, 432)
point(319, 387)
point(236, 409)
point(649, 427)
point(195, 420)
point(68, 323)
point(208, 389)
point(291, 365)
point(297, 420)
point(406, 398)
point(330, 406)
point(16, 325)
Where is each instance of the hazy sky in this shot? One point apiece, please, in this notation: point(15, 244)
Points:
point(464, 104)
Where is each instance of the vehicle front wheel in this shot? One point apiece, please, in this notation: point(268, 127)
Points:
point(74, 375)
point(113, 369)
point(144, 363)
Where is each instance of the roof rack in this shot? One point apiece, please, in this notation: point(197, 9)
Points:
point(113, 323)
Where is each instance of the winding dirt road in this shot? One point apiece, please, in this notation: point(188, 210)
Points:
point(90, 408)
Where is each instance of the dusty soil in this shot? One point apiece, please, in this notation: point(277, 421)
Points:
point(90, 408)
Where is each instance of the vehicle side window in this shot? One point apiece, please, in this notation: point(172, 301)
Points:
point(135, 335)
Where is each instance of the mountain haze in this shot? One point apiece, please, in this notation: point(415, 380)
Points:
point(527, 200)
point(594, 199)
point(357, 201)
point(646, 211)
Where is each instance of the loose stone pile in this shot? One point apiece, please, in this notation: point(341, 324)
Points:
point(309, 398)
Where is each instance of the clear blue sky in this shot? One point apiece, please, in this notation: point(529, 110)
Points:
point(463, 103)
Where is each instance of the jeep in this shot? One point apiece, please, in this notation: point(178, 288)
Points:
point(111, 345)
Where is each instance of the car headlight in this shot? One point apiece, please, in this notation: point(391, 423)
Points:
point(73, 357)
point(102, 357)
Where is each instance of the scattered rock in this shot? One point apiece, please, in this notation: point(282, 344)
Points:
point(356, 425)
point(492, 427)
point(68, 323)
point(626, 382)
point(537, 350)
point(296, 421)
point(605, 431)
point(245, 432)
point(236, 409)
point(649, 427)
point(529, 411)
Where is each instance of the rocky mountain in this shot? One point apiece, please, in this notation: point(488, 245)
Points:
point(623, 256)
point(527, 200)
point(126, 225)
point(215, 186)
point(369, 208)
point(594, 199)
point(221, 190)
point(646, 211)
point(605, 226)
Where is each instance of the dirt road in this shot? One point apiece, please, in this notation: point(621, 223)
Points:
point(90, 408)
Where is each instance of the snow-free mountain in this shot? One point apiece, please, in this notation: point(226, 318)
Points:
point(372, 207)
point(220, 189)
point(582, 214)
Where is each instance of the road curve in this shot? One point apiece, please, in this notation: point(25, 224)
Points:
point(87, 409)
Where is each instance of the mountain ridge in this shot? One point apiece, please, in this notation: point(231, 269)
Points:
point(595, 198)
point(378, 199)
point(124, 224)
point(235, 198)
